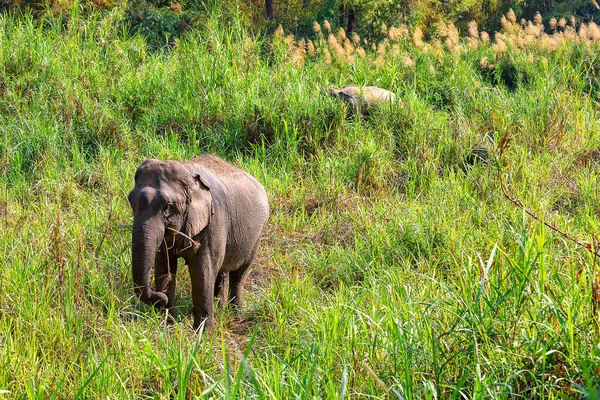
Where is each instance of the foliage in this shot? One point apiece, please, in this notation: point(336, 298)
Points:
point(391, 266)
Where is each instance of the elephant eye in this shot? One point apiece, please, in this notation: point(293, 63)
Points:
point(168, 208)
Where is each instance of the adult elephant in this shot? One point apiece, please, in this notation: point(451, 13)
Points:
point(206, 211)
point(363, 99)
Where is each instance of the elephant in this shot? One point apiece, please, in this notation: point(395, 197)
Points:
point(363, 99)
point(206, 211)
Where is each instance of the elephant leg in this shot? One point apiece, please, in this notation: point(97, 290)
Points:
point(219, 286)
point(236, 284)
point(236, 280)
point(203, 291)
point(165, 271)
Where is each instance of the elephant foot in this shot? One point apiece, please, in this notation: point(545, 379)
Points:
point(171, 317)
point(207, 324)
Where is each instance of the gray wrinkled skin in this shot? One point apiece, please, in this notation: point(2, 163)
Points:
point(362, 99)
point(206, 211)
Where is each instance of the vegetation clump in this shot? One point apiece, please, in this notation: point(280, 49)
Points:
point(387, 268)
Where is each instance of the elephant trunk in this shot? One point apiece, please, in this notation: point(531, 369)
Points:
point(145, 241)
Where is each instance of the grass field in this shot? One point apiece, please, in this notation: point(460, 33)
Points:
point(390, 268)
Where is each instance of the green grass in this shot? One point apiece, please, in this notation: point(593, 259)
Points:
point(388, 268)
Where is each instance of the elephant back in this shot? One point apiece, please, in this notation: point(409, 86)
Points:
point(237, 182)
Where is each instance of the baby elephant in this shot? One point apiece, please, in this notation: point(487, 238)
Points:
point(206, 211)
point(362, 99)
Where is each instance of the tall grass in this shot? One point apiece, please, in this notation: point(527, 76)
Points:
point(390, 267)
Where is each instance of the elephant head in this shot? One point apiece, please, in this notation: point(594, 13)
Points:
point(171, 204)
point(350, 95)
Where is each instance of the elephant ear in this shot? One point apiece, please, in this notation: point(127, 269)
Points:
point(199, 209)
point(333, 92)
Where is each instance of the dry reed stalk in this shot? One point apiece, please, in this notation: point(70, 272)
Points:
point(279, 32)
point(418, 37)
point(310, 48)
point(327, 56)
point(511, 16)
point(383, 29)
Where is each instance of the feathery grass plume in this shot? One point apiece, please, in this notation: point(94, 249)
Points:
point(572, 21)
point(519, 41)
point(511, 16)
point(552, 23)
point(408, 62)
point(299, 53)
point(484, 36)
point(348, 48)
point(393, 34)
point(533, 30)
point(418, 37)
point(341, 35)
point(403, 30)
point(301, 43)
point(483, 63)
point(327, 26)
point(436, 44)
point(316, 27)
point(279, 32)
point(537, 18)
point(594, 32)
point(562, 23)
point(361, 52)
point(583, 33)
point(327, 56)
point(383, 29)
point(336, 47)
point(355, 38)
point(550, 43)
point(523, 41)
point(310, 48)
point(453, 38)
point(396, 51)
point(570, 34)
point(431, 69)
point(373, 47)
point(380, 54)
point(499, 45)
point(473, 32)
point(504, 23)
point(442, 30)
point(291, 43)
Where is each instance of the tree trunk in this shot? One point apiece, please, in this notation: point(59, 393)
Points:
point(351, 18)
point(269, 8)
